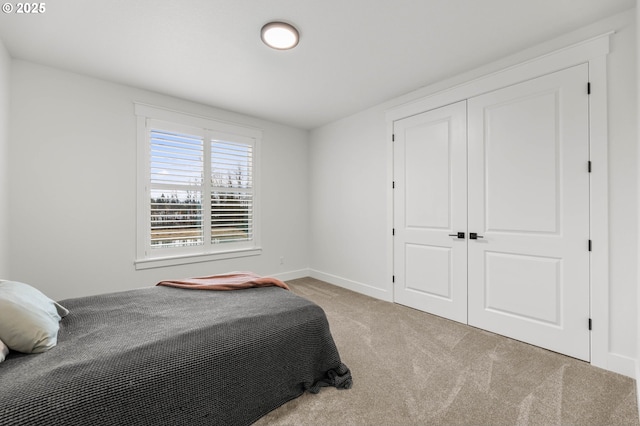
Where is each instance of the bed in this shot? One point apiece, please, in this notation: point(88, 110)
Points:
point(169, 356)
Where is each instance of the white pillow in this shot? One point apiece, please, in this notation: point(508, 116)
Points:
point(28, 318)
point(4, 351)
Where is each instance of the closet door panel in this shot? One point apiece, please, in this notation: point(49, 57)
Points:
point(529, 201)
point(522, 164)
point(430, 198)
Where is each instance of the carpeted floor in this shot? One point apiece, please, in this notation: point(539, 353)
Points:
point(413, 368)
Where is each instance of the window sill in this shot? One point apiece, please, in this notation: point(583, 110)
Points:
point(161, 262)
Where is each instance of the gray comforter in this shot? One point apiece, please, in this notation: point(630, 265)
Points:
point(167, 356)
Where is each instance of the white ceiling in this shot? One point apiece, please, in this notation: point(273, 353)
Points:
point(353, 54)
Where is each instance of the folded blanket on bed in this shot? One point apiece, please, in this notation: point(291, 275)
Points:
point(231, 281)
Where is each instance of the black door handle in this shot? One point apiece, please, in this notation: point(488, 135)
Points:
point(459, 235)
point(474, 236)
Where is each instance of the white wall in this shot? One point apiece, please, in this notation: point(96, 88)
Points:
point(348, 186)
point(5, 90)
point(73, 187)
point(350, 196)
point(638, 218)
point(623, 190)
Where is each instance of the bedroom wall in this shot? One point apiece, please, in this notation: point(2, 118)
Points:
point(350, 188)
point(623, 186)
point(5, 90)
point(638, 218)
point(73, 187)
point(348, 184)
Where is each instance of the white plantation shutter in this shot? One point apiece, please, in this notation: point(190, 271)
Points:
point(176, 172)
point(197, 194)
point(231, 191)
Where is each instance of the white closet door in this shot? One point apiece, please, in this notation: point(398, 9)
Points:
point(430, 203)
point(529, 201)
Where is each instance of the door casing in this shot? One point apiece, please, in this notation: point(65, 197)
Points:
point(510, 71)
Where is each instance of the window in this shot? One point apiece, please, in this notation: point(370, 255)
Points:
point(197, 188)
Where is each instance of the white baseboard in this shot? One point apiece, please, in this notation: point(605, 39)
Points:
point(616, 363)
point(292, 275)
point(621, 364)
point(352, 285)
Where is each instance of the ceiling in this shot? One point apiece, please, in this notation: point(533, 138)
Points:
point(353, 54)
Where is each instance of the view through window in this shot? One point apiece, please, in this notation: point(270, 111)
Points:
point(200, 190)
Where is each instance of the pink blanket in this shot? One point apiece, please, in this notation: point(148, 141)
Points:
point(230, 281)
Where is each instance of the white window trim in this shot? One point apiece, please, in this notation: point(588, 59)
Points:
point(146, 258)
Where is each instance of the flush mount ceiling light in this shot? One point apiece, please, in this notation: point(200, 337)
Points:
point(280, 35)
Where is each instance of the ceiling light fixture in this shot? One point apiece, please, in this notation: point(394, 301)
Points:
point(280, 35)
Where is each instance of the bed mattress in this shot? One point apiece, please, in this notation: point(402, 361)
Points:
point(171, 356)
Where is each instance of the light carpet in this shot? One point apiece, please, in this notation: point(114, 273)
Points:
point(413, 368)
